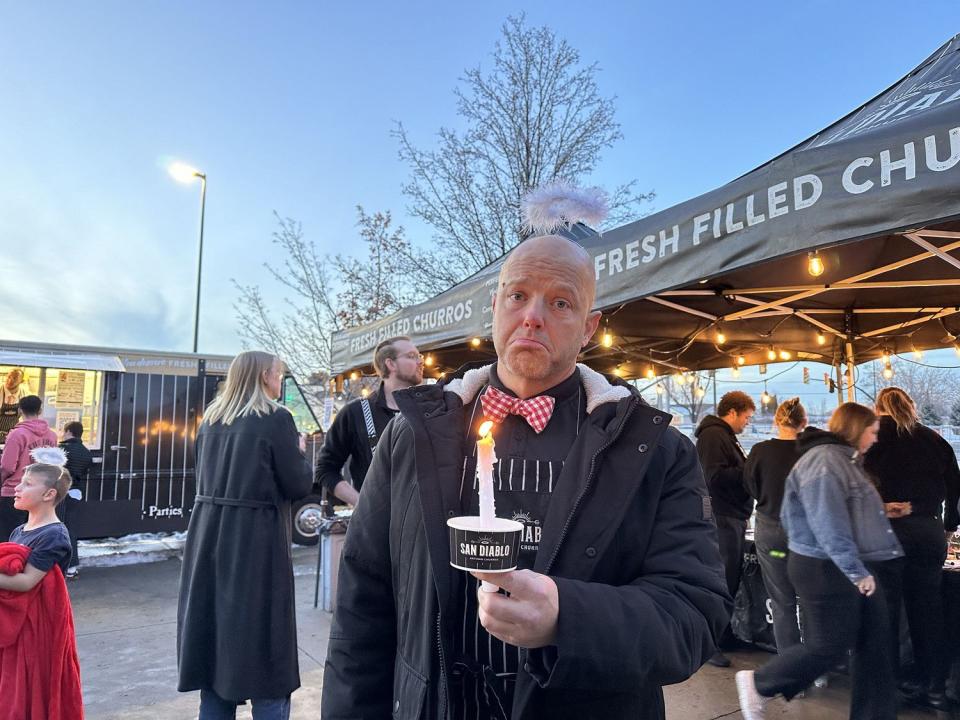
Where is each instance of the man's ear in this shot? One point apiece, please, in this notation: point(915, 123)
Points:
point(590, 328)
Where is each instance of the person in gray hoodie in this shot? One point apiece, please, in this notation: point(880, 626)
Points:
point(840, 544)
point(30, 433)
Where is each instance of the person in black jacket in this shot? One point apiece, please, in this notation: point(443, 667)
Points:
point(79, 460)
point(236, 619)
point(619, 589)
point(765, 475)
point(722, 458)
point(359, 425)
point(916, 471)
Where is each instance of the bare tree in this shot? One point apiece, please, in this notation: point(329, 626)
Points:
point(535, 117)
point(689, 393)
point(364, 290)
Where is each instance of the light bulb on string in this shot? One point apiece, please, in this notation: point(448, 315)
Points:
point(721, 337)
point(887, 372)
point(815, 264)
point(651, 373)
point(765, 396)
point(821, 338)
point(607, 339)
point(785, 355)
point(771, 353)
point(700, 392)
point(735, 372)
point(475, 342)
point(741, 360)
point(354, 375)
point(618, 371)
point(917, 354)
point(659, 388)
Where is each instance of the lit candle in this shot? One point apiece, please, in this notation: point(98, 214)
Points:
point(486, 457)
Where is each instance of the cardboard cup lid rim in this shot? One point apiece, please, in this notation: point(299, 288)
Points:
point(472, 522)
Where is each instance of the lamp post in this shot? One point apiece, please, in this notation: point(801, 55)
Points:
point(182, 172)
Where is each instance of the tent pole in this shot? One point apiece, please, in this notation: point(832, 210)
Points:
point(851, 390)
point(839, 385)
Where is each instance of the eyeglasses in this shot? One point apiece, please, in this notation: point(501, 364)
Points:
point(411, 356)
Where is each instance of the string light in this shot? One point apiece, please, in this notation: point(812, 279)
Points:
point(354, 375)
point(785, 355)
point(678, 376)
point(887, 372)
point(659, 388)
point(736, 372)
point(428, 361)
point(771, 353)
point(651, 373)
point(721, 337)
point(821, 338)
point(741, 360)
point(815, 264)
point(765, 396)
point(700, 392)
point(917, 354)
point(475, 342)
point(618, 371)
point(365, 392)
point(607, 339)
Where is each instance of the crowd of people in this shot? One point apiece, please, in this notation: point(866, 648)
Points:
point(851, 528)
point(634, 536)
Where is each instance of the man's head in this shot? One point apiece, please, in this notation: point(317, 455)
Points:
point(736, 408)
point(399, 359)
point(73, 430)
point(542, 315)
point(41, 484)
point(30, 406)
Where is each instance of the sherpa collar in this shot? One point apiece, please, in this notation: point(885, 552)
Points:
point(595, 385)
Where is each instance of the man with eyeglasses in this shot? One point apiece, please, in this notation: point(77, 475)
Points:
point(359, 425)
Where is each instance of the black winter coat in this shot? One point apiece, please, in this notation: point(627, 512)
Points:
point(722, 460)
point(628, 539)
point(236, 629)
point(918, 467)
point(79, 459)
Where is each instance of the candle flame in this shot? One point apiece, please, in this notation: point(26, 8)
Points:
point(485, 428)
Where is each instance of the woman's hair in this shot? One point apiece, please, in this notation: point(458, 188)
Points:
point(54, 477)
point(850, 420)
point(791, 414)
point(243, 392)
point(898, 405)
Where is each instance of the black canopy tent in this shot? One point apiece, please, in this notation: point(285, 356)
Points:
point(876, 198)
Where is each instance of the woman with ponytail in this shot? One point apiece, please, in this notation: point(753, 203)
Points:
point(765, 475)
point(916, 471)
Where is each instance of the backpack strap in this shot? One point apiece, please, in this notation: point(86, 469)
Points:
point(368, 421)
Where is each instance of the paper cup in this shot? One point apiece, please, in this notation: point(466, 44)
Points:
point(493, 550)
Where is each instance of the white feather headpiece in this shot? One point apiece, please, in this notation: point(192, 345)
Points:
point(550, 207)
point(49, 456)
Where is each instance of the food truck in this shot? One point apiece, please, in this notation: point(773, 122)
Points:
point(140, 411)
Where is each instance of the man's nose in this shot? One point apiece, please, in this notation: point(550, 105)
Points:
point(533, 314)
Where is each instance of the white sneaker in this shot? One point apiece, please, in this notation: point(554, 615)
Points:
point(752, 703)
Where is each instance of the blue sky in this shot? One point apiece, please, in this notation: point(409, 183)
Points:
point(288, 107)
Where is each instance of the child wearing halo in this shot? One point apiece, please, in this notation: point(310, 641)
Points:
point(39, 668)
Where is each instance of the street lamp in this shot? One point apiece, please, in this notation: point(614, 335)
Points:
point(181, 172)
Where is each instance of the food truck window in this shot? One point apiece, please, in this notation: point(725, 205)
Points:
point(294, 400)
point(68, 396)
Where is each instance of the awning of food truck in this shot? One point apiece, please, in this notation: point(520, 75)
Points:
point(730, 277)
point(65, 360)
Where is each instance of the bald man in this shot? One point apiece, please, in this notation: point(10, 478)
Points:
point(619, 587)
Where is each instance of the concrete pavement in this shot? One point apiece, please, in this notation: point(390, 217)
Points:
point(126, 634)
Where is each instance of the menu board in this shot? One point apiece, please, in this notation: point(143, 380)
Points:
point(70, 387)
point(64, 417)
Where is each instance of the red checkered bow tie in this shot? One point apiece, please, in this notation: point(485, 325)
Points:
point(536, 410)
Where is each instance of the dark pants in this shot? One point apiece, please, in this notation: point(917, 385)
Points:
point(772, 553)
point(836, 619)
point(730, 534)
point(213, 707)
point(925, 549)
point(10, 518)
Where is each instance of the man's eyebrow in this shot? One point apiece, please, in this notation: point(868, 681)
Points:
point(562, 288)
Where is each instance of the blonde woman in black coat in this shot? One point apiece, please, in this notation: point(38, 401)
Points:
point(236, 628)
